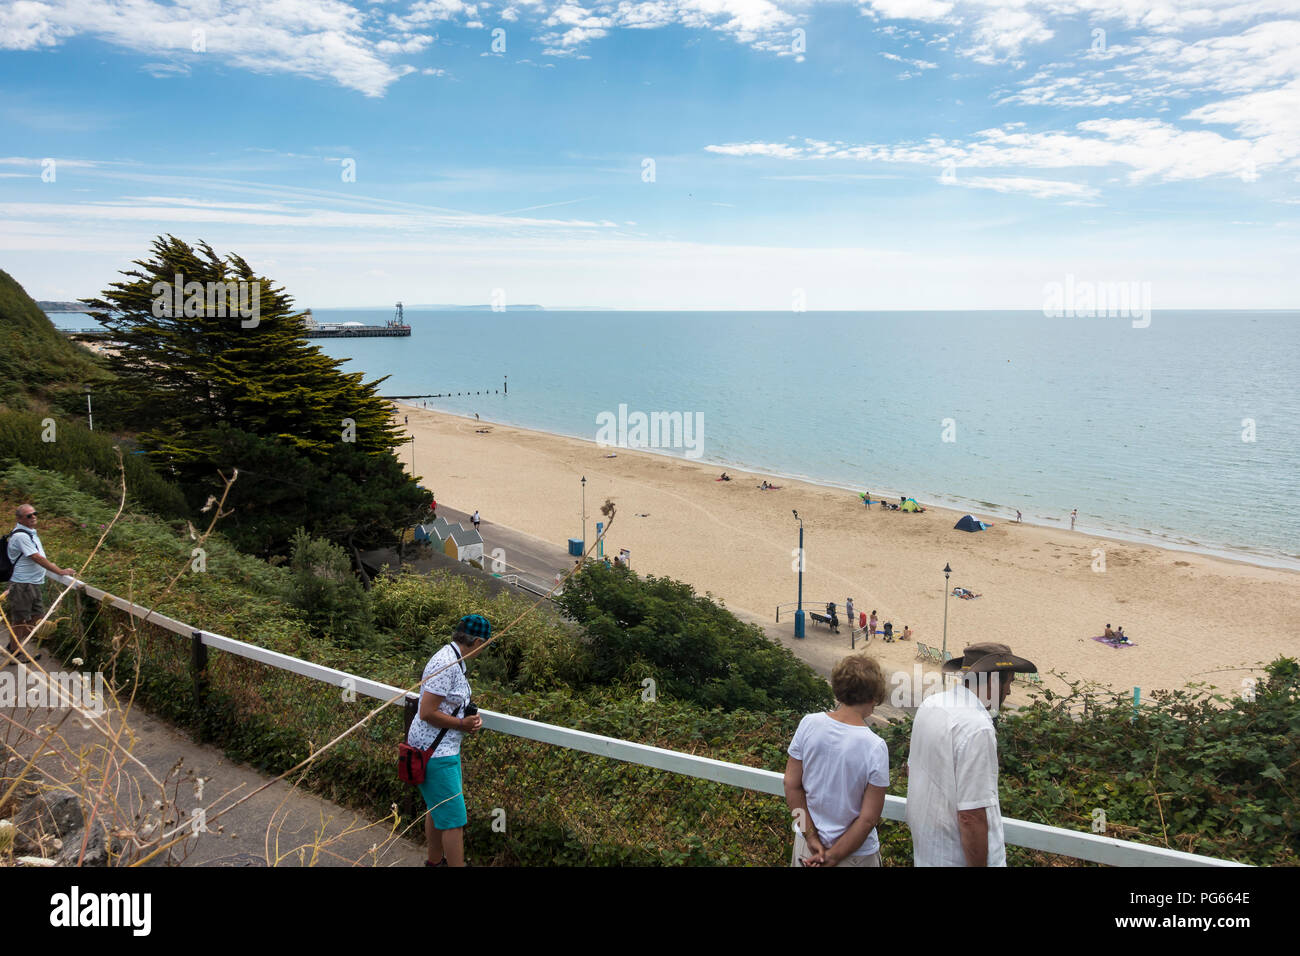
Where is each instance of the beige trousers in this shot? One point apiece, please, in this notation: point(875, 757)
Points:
point(801, 850)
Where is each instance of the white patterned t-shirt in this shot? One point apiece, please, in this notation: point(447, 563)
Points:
point(453, 687)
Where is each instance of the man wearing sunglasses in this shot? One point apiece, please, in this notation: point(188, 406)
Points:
point(27, 582)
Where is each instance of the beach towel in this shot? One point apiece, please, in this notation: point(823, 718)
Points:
point(1110, 642)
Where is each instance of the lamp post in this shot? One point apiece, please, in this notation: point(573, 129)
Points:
point(798, 614)
point(584, 513)
point(946, 571)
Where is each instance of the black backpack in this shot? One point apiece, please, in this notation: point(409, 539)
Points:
point(7, 566)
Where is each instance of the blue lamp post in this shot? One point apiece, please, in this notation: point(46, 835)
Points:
point(798, 614)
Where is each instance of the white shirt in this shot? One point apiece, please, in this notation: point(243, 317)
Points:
point(952, 765)
point(452, 686)
point(24, 542)
point(839, 761)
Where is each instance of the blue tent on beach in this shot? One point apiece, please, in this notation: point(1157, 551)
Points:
point(968, 523)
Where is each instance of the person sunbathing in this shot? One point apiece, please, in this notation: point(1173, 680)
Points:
point(1119, 636)
point(1109, 635)
point(907, 634)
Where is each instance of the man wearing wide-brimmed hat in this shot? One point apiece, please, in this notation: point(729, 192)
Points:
point(952, 789)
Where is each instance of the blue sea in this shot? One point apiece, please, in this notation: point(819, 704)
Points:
point(1185, 433)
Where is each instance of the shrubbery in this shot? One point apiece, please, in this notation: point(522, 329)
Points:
point(331, 598)
point(694, 649)
point(89, 458)
point(39, 366)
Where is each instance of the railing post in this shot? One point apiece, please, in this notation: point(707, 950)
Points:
point(409, 711)
point(199, 671)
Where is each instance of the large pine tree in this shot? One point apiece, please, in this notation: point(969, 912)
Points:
point(215, 370)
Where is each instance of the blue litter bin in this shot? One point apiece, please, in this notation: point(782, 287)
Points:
point(575, 547)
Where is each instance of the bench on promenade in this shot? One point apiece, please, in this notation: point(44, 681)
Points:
point(824, 619)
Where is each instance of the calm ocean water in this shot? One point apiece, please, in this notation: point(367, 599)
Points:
point(1140, 429)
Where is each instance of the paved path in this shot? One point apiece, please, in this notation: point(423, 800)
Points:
point(282, 825)
point(534, 557)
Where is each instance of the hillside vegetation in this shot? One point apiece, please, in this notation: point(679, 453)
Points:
point(39, 366)
point(1193, 772)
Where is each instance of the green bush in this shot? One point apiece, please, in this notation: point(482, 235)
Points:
point(419, 612)
point(694, 649)
point(321, 585)
point(39, 366)
point(70, 448)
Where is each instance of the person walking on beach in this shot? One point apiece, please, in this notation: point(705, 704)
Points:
point(1017, 516)
point(871, 625)
point(445, 716)
point(475, 519)
point(952, 764)
point(848, 611)
point(1073, 514)
point(26, 593)
point(837, 772)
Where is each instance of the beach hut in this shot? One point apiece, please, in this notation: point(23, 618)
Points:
point(968, 523)
point(464, 544)
point(435, 532)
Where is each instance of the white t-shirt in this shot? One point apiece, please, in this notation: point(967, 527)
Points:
point(452, 686)
point(23, 543)
point(952, 765)
point(839, 761)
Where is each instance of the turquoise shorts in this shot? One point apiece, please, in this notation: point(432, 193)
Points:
point(442, 792)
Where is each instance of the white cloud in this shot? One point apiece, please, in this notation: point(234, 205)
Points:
point(411, 43)
point(432, 11)
point(919, 64)
point(1038, 188)
point(1150, 149)
point(316, 38)
point(777, 150)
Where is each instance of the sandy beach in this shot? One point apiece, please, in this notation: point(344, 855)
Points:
point(1191, 617)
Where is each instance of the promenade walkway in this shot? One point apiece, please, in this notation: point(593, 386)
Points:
point(282, 825)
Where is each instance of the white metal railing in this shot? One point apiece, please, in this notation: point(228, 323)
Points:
point(1034, 836)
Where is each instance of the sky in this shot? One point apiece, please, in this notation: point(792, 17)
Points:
point(667, 154)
